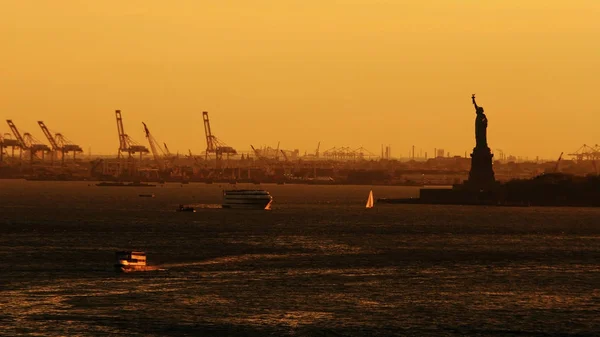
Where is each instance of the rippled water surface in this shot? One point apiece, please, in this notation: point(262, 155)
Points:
point(318, 264)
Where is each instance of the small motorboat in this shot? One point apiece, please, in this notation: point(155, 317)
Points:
point(147, 195)
point(121, 184)
point(183, 208)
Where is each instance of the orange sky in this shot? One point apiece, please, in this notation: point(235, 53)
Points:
point(346, 73)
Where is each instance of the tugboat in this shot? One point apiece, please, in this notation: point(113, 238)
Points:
point(249, 199)
point(128, 261)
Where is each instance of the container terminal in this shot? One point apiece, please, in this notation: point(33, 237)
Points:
point(24, 156)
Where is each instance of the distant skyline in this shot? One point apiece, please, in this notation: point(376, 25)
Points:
point(345, 73)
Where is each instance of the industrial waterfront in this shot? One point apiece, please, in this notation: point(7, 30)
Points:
point(25, 156)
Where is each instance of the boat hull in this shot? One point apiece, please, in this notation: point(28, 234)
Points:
point(247, 199)
point(190, 210)
point(121, 268)
point(255, 205)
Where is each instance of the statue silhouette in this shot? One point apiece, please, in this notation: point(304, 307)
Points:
point(481, 123)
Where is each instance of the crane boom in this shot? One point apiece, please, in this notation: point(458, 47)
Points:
point(558, 163)
point(16, 133)
point(210, 145)
point(213, 144)
point(284, 155)
point(152, 141)
point(126, 144)
point(167, 152)
point(122, 135)
point(317, 152)
point(258, 155)
point(49, 136)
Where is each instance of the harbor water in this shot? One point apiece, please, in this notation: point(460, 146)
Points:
point(318, 264)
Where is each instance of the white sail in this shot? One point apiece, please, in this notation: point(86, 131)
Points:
point(370, 200)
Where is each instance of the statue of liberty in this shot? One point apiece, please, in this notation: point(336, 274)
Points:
point(481, 123)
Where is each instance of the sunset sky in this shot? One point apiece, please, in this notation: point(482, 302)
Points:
point(345, 73)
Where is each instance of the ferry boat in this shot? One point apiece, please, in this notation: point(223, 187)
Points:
point(130, 261)
point(251, 199)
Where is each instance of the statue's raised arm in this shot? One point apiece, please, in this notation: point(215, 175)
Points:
point(475, 104)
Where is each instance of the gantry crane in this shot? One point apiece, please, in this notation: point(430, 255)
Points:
point(586, 152)
point(28, 142)
point(16, 133)
point(317, 153)
point(213, 144)
point(157, 152)
point(60, 143)
point(66, 145)
point(6, 142)
point(49, 136)
point(34, 145)
point(126, 144)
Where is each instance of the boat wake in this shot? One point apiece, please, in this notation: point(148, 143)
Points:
point(205, 205)
point(227, 260)
point(142, 269)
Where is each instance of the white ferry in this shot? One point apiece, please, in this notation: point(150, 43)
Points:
point(130, 261)
point(252, 199)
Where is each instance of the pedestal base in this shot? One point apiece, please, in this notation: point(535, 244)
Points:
point(481, 175)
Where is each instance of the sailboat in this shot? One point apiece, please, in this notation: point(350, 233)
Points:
point(370, 200)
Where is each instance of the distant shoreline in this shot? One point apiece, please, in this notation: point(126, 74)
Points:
point(319, 183)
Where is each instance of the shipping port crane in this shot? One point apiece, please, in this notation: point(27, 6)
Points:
point(28, 142)
point(60, 143)
point(317, 152)
point(213, 144)
point(259, 156)
point(167, 152)
point(126, 144)
point(557, 167)
point(34, 145)
point(285, 157)
point(157, 151)
point(16, 133)
point(586, 152)
point(5, 142)
point(196, 161)
point(265, 160)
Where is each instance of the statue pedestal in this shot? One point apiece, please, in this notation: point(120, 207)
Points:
point(481, 175)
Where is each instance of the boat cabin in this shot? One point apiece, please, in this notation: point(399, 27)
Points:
point(131, 258)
